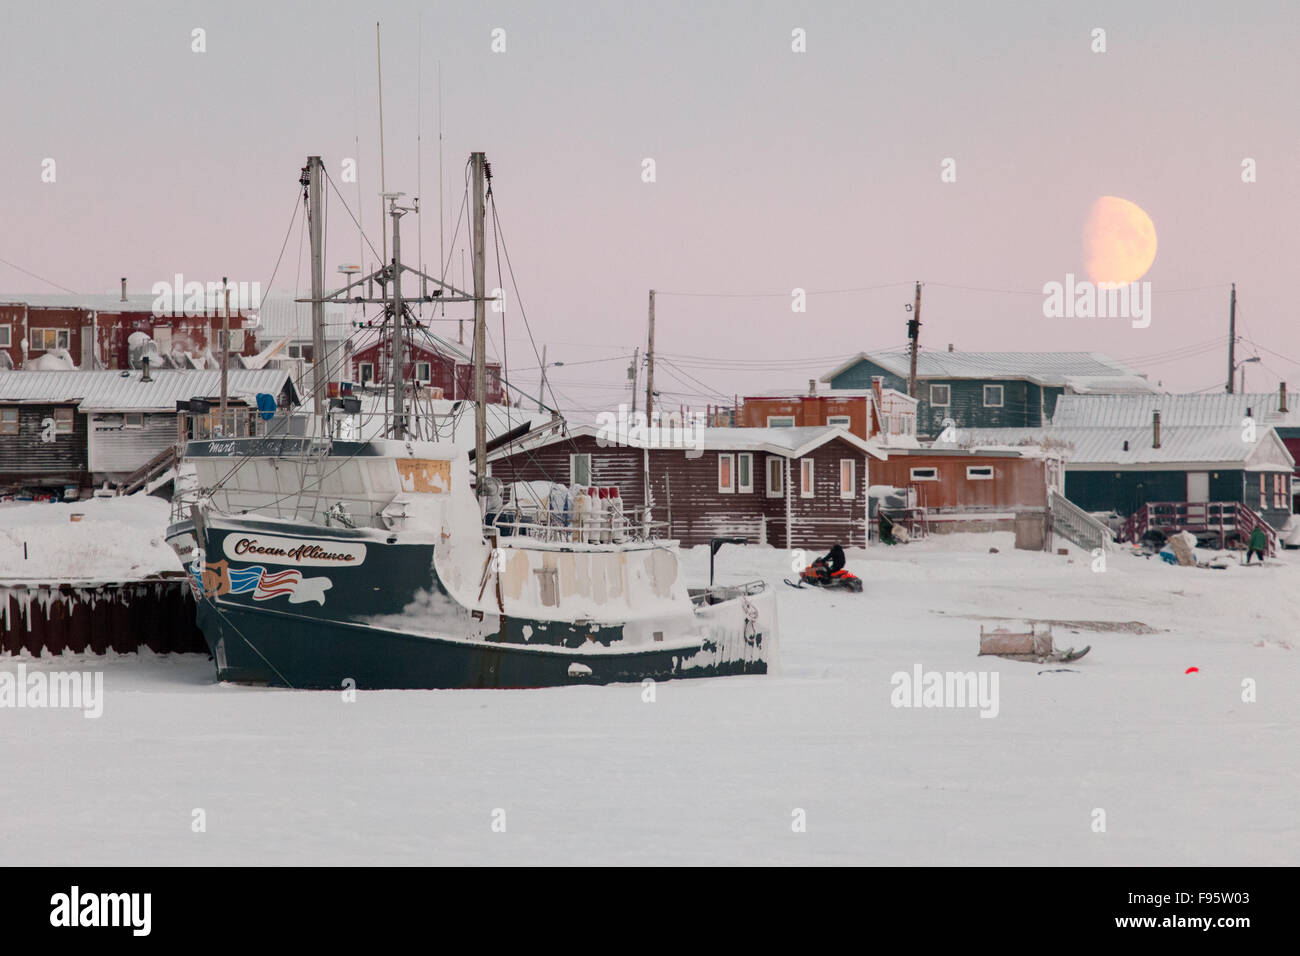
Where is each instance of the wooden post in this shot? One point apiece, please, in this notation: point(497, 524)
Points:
point(914, 333)
point(225, 352)
point(650, 363)
point(1232, 336)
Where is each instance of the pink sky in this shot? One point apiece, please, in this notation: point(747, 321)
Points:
point(775, 170)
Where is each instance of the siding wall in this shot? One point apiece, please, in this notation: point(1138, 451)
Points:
point(112, 329)
point(117, 450)
point(1022, 402)
point(1017, 483)
point(807, 410)
point(26, 460)
point(686, 490)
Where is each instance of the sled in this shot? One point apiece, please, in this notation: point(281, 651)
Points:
point(1032, 645)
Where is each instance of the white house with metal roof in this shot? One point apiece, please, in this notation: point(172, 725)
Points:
point(75, 429)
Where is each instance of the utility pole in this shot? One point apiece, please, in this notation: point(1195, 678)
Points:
point(914, 333)
point(650, 363)
point(225, 351)
point(541, 390)
point(1232, 335)
point(636, 358)
point(479, 163)
point(315, 195)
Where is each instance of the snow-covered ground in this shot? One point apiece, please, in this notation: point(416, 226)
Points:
point(1185, 771)
point(99, 539)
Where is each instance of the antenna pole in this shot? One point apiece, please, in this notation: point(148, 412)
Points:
point(383, 180)
point(478, 160)
point(319, 372)
point(399, 328)
point(442, 250)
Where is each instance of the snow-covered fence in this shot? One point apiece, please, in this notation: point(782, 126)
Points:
point(43, 616)
point(1074, 524)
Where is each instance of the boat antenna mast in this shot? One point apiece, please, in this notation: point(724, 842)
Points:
point(482, 174)
point(359, 291)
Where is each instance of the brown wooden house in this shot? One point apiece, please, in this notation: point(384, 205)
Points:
point(801, 487)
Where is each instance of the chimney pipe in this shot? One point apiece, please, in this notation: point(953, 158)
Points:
point(812, 386)
point(1155, 429)
point(144, 364)
point(949, 346)
point(1281, 398)
point(123, 288)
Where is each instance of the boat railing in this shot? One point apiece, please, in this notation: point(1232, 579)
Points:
point(607, 527)
point(726, 592)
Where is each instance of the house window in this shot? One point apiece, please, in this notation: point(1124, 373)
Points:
point(745, 472)
point(236, 343)
point(1263, 492)
point(41, 340)
point(367, 370)
point(580, 469)
point(925, 474)
point(992, 396)
point(8, 421)
point(805, 477)
point(775, 477)
point(6, 336)
point(848, 478)
point(1279, 491)
point(63, 421)
point(780, 421)
point(979, 472)
point(133, 420)
point(940, 395)
point(842, 420)
point(424, 371)
point(726, 473)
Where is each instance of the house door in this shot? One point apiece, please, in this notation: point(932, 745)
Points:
point(1198, 486)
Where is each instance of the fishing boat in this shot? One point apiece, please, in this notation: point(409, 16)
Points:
point(323, 561)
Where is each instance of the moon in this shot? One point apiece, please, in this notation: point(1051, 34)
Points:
point(1119, 241)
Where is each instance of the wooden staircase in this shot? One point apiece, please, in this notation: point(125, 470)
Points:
point(155, 467)
point(1218, 519)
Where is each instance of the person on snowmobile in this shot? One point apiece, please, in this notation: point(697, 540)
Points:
point(829, 563)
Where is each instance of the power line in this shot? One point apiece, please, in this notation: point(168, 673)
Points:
point(62, 288)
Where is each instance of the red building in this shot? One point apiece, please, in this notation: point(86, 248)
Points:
point(95, 329)
point(867, 413)
point(428, 365)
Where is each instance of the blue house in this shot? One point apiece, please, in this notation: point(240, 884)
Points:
point(989, 389)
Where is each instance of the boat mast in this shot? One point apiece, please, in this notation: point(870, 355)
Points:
point(398, 330)
point(478, 162)
point(320, 367)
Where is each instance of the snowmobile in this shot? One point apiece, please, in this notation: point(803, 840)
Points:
point(828, 572)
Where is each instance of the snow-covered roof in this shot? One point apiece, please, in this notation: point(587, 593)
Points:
point(107, 302)
point(788, 442)
point(1044, 368)
point(282, 316)
point(1217, 408)
point(1097, 448)
point(123, 391)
